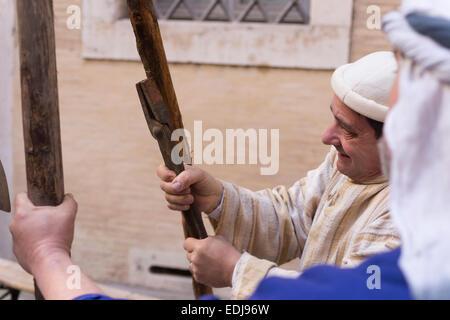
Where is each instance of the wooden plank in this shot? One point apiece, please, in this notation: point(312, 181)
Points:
point(40, 107)
point(13, 276)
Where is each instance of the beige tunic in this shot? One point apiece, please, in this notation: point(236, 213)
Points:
point(325, 218)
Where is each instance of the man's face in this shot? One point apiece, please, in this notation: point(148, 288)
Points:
point(355, 141)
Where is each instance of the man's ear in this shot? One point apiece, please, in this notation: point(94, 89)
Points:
point(5, 203)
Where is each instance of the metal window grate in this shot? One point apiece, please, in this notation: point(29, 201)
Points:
point(259, 11)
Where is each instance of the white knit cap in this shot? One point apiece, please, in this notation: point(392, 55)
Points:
point(365, 85)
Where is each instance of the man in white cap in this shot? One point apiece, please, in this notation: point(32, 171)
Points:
point(338, 214)
point(416, 136)
point(415, 152)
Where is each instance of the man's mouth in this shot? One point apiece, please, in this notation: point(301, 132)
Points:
point(341, 152)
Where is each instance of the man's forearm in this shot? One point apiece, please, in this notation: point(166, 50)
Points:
point(59, 279)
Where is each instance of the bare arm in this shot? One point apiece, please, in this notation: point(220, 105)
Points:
point(59, 279)
point(42, 241)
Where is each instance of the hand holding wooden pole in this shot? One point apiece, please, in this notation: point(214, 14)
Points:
point(40, 108)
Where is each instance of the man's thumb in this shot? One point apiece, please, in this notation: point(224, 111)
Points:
point(69, 204)
point(186, 179)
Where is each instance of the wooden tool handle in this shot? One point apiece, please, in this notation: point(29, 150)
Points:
point(153, 56)
point(40, 107)
point(157, 118)
point(151, 50)
point(151, 101)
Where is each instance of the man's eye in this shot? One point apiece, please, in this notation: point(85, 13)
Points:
point(348, 133)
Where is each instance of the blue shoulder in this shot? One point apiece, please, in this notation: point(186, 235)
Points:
point(379, 277)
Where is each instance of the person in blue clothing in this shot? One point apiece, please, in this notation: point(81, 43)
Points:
point(378, 278)
point(416, 156)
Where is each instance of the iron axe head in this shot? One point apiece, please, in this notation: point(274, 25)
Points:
point(5, 204)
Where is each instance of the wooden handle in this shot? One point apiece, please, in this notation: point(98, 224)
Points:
point(40, 106)
point(153, 56)
point(40, 109)
point(151, 99)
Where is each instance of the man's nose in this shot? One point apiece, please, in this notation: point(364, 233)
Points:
point(330, 136)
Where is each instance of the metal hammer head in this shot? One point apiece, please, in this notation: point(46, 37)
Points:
point(5, 204)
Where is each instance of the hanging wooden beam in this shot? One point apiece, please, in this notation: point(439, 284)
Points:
point(40, 109)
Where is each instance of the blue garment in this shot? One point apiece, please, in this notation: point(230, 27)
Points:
point(332, 283)
point(380, 272)
point(94, 297)
point(436, 28)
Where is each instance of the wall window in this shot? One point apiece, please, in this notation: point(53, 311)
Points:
point(276, 33)
point(257, 11)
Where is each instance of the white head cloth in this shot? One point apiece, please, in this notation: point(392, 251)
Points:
point(364, 85)
point(418, 134)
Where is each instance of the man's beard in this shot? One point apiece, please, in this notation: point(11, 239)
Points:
point(385, 156)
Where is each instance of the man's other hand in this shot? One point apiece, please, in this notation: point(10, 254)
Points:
point(212, 260)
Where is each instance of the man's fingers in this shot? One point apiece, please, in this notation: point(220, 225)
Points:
point(175, 207)
point(190, 244)
point(169, 188)
point(187, 178)
point(183, 200)
point(180, 184)
point(69, 204)
point(165, 174)
point(23, 203)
